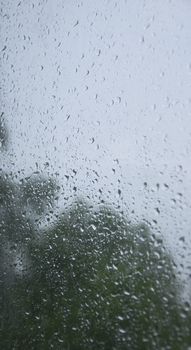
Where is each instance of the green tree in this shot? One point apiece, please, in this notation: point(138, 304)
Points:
point(3, 133)
point(96, 282)
point(22, 204)
point(90, 281)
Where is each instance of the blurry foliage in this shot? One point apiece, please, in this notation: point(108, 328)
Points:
point(90, 281)
point(3, 133)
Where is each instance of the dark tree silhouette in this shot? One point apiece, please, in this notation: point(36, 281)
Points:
point(89, 281)
point(3, 133)
point(95, 282)
point(22, 204)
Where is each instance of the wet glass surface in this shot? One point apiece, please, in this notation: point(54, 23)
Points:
point(95, 244)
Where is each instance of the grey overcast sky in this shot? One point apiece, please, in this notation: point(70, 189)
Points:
point(104, 88)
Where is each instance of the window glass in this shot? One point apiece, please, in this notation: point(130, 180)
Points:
point(95, 147)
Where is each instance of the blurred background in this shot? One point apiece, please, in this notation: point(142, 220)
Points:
point(96, 95)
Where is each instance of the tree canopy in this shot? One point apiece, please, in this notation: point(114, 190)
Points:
point(88, 281)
